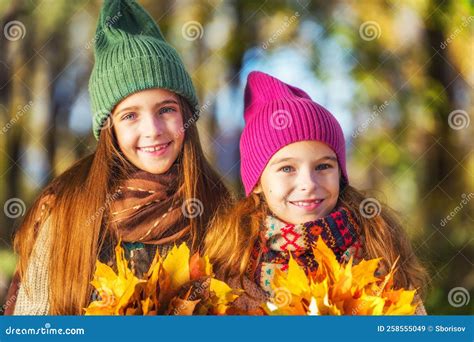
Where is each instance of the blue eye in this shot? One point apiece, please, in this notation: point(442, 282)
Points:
point(128, 116)
point(323, 166)
point(286, 169)
point(167, 110)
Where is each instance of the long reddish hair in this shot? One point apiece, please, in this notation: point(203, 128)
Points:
point(236, 228)
point(78, 199)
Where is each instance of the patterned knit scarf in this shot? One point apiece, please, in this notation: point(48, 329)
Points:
point(339, 231)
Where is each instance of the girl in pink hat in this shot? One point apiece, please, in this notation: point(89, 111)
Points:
point(293, 168)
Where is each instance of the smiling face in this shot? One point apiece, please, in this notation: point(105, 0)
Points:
point(149, 129)
point(301, 182)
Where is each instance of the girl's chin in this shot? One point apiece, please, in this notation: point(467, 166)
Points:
point(301, 220)
point(298, 218)
point(155, 168)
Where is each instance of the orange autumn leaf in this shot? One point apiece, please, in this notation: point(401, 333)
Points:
point(199, 267)
point(337, 289)
point(364, 272)
point(324, 256)
point(178, 284)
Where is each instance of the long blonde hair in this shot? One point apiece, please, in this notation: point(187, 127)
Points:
point(236, 228)
point(78, 199)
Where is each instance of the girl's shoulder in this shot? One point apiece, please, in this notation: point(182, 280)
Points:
point(33, 285)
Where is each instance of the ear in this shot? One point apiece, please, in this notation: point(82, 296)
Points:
point(257, 189)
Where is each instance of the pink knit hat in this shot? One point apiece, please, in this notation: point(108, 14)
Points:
point(277, 114)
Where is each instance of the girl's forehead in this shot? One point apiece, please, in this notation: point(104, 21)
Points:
point(311, 149)
point(147, 97)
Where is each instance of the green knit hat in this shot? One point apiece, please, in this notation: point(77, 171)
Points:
point(132, 55)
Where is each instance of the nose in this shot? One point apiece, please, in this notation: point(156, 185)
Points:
point(152, 125)
point(307, 180)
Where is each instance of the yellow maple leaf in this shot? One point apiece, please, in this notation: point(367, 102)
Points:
point(338, 289)
point(176, 265)
point(223, 294)
point(403, 304)
point(161, 290)
point(326, 259)
point(115, 289)
point(364, 271)
point(296, 279)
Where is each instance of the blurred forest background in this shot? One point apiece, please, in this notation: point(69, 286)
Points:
point(398, 75)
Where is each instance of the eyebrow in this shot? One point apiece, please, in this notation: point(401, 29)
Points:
point(281, 160)
point(159, 104)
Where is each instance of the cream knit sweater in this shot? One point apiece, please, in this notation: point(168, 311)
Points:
point(33, 293)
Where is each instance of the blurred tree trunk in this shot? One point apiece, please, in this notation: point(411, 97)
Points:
point(447, 179)
point(14, 95)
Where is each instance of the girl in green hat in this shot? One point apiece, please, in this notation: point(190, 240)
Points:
point(147, 184)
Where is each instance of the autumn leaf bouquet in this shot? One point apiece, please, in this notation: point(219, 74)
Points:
point(337, 289)
point(179, 284)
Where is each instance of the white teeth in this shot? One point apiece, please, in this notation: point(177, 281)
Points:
point(306, 204)
point(153, 149)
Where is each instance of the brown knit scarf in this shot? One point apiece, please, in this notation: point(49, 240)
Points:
point(147, 208)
